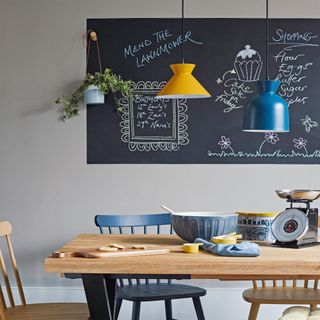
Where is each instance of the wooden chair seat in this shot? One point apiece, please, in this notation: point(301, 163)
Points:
point(281, 292)
point(48, 311)
point(282, 295)
point(156, 292)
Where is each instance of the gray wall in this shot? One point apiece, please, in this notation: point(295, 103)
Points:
point(47, 190)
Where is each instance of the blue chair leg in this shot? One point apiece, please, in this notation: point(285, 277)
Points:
point(168, 305)
point(198, 307)
point(118, 307)
point(136, 310)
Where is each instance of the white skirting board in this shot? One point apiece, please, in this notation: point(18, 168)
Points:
point(218, 304)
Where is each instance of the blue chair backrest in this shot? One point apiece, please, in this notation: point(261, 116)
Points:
point(119, 223)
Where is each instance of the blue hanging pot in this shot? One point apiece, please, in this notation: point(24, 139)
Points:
point(93, 95)
point(267, 111)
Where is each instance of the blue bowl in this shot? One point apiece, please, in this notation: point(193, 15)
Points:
point(205, 225)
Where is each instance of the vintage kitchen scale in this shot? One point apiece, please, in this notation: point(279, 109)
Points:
point(297, 226)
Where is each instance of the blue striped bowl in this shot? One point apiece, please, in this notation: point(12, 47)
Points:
point(205, 225)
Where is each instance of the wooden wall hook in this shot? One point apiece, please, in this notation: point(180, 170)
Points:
point(93, 36)
point(89, 36)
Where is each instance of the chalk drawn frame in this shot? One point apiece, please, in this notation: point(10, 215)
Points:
point(179, 135)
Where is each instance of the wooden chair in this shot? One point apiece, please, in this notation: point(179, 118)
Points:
point(143, 290)
point(43, 311)
point(281, 292)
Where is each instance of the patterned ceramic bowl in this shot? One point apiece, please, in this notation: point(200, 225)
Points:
point(205, 225)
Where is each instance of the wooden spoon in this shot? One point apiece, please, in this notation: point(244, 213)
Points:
point(167, 209)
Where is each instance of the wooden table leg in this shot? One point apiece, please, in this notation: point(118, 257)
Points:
point(101, 296)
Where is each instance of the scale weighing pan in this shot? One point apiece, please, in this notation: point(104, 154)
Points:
point(295, 195)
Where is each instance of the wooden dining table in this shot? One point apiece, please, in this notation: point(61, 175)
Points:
point(99, 275)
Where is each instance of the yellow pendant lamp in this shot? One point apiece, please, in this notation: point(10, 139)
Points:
point(183, 84)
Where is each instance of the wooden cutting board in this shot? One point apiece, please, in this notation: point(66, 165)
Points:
point(102, 254)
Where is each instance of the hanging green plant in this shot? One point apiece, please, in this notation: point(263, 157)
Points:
point(106, 82)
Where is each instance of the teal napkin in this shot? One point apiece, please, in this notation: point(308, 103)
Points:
point(243, 249)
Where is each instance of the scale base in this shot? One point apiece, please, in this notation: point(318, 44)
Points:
point(294, 244)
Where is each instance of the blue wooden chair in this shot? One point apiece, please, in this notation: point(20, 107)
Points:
point(143, 289)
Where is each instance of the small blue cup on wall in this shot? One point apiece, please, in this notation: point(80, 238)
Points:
point(93, 95)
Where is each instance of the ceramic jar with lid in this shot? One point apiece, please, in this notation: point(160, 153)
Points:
point(256, 225)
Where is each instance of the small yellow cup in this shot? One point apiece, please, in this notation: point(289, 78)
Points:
point(226, 239)
point(191, 247)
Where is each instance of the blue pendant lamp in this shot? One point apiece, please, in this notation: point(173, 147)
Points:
point(267, 111)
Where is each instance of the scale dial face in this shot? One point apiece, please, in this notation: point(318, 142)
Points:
point(290, 225)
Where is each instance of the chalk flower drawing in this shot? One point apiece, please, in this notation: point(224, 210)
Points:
point(153, 125)
point(225, 143)
point(300, 143)
point(269, 137)
point(308, 123)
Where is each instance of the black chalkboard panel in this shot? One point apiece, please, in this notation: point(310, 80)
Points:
point(230, 58)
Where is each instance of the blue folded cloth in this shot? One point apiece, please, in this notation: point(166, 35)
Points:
point(243, 249)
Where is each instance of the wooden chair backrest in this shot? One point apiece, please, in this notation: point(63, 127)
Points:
point(285, 283)
point(5, 231)
point(130, 223)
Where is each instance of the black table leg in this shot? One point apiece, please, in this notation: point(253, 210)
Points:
point(112, 294)
point(101, 296)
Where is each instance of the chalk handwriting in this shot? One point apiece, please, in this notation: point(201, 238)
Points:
point(151, 113)
point(287, 37)
point(235, 91)
point(160, 43)
point(293, 65)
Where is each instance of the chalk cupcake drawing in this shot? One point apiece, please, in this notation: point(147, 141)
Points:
point(237, 83)
point(248, 64)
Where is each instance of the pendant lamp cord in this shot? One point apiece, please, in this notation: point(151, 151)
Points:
point(182, 31)
point(267, 39)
